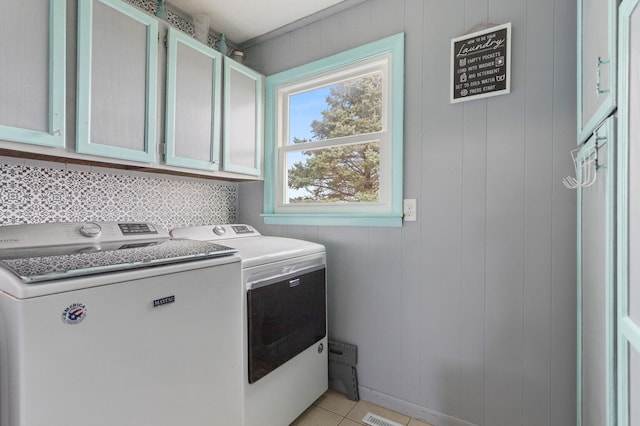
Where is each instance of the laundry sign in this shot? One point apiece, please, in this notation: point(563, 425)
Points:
point(481, 64)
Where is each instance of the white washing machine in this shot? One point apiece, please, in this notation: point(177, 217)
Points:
point(284, 320)
point(116, 324)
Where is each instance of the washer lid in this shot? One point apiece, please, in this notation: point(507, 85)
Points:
point(49, 265)
point(263, 249)
point(49, 251)
point(253, 248)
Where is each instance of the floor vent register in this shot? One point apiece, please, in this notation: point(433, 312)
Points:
point(375, 420)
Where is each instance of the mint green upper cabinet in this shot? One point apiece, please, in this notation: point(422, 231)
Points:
point(32, 66)
point(243, 119)
point(596, 63)
point(117, 81)
point(194, 75)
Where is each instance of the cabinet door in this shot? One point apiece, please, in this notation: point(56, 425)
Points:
point(194, 75)
point(243, 119)
point(596, 287)
point(628, 271)
point(32, 66)
point(596, 63)
point(117, 80)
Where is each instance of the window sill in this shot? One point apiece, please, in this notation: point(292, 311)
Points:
point(324, 219)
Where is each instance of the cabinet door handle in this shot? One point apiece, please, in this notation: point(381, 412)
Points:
point(599, 89)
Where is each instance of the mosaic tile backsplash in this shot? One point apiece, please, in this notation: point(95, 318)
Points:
point(37, 195)
point(174, 19)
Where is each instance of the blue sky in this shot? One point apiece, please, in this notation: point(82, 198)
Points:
point(303, 109)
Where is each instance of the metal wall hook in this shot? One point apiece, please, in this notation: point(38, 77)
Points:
point(585, 166)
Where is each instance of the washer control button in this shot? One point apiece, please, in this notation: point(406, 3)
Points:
point(90, 229)
point(219, 230)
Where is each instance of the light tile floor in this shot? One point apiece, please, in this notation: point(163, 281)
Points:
point(335, 409)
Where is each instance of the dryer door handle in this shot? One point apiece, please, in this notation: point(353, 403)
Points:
point(294, 282)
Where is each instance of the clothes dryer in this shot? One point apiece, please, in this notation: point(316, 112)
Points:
point(284, 320)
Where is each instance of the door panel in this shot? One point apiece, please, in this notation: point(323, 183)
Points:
point(194, 75)
point(596, 63)
point(196, 86)
point(32, 66)
point(596, 284)
point(117, 81)
point(628, 271)
point(117, 109)
point(594, 310)
point(634, 163)
point(243, 119)
point(634, 386)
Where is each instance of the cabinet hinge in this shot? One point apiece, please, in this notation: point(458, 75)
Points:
point(163, 151)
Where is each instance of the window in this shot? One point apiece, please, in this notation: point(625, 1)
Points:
point(333, 152)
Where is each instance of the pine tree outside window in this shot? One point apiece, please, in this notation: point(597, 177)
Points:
point(333, 153)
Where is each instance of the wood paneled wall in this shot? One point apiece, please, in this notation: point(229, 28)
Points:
point(466, 316)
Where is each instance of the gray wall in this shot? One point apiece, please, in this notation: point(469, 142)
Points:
point(468, 314)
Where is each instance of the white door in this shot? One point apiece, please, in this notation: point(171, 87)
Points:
point(629, 218)
point(596, 287)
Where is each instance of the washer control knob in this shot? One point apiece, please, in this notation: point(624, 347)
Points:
point(219, 230)
point(90, 229)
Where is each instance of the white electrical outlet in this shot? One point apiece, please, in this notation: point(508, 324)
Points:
point(409, 209)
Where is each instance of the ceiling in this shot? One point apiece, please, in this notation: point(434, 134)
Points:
point(242, 20)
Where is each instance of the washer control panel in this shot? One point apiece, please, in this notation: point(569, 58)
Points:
point(242, 229)
point(77, 233)
point(90, 229)
point(215, 232)
point(137, 229)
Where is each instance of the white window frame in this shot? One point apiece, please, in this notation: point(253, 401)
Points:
point(361, 69)
point(385, 56)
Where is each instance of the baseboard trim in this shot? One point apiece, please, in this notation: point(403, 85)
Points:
point(410, 409)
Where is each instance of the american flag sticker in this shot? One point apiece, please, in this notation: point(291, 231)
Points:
point(74, 313)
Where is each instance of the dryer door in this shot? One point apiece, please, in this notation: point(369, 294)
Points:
point(285, 315)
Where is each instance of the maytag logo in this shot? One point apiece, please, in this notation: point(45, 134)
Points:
point(9, 241)
point(164, 301)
